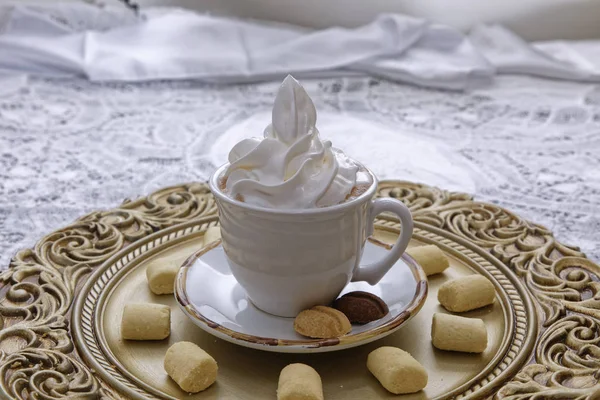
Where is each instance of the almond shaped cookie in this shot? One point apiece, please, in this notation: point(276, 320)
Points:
point(322, 322)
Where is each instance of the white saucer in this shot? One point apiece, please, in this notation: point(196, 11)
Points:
point(208, 293)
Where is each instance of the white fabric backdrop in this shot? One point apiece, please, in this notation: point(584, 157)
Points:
point(531, 19)
point(114, 45)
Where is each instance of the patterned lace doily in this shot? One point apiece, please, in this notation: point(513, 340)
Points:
point(68, 147)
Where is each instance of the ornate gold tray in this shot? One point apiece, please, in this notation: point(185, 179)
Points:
point(61, 306)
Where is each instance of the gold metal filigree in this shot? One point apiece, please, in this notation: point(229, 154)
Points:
point(564, 283)
point(37, 358)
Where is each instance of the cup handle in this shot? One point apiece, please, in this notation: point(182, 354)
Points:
point(372, 273)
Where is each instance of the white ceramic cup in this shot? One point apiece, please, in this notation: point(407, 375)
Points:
point(291, 260)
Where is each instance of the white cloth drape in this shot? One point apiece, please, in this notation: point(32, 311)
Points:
point(177, 44)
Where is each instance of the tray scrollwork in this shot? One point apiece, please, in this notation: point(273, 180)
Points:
point(38, 359)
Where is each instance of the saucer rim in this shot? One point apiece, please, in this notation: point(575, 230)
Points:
point(296, 345)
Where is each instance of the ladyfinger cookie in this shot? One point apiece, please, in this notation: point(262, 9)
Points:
point(191, 367)
point(454, 333)
point(161, 276)
point(146, 321)
point(430, 258)
point(299, 381)
point(466, 293)
point(397, 370)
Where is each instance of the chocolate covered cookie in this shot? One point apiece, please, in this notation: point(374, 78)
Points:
point(361, 307)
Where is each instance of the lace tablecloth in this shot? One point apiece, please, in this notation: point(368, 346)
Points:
point(68, 147)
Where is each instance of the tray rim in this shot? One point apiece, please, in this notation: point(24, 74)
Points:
point(82, 336)
point(186, 231)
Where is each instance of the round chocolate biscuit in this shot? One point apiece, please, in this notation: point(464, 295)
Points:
point(361, 307)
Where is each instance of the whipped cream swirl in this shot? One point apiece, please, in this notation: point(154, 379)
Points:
point(291, 167)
